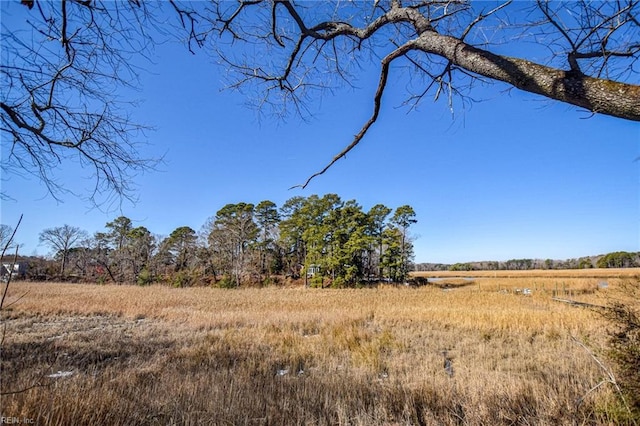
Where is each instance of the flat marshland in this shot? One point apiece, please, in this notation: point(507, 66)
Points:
point(476, 353)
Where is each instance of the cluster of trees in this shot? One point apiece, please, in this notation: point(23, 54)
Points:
point(324, 240)
point(619, 259)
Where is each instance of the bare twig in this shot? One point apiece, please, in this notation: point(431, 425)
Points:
point(3, 306)
point(382, 83)
point(14, 392)
point(610, 377)
point(15, 257)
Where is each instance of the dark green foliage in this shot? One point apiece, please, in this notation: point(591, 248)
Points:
point(585, 263)
point(377, 224)
point(183, 278)
point(267, 220)
point(348, 246)
point(232, 238)
point(391, 259)
point(461, 267)
point(321, 239)
point(227, 282)
point(145, 277)
point(402, 219)
point(181, 247)
point(119, 229)
point(518, 264)
point(619, 259)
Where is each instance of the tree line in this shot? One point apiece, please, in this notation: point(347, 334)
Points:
point(618, 259)
point(322, 240)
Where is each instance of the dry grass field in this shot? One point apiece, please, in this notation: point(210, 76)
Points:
point(125, 355)
point(539, 273)
point(547, 281)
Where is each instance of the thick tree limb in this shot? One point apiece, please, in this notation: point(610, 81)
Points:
point(595, 94)
point(598, 95)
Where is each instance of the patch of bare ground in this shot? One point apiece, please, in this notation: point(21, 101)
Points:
point(157, 355)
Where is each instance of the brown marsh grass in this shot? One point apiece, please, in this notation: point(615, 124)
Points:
point(549, 273)
point(159, 355)
point(576, 281)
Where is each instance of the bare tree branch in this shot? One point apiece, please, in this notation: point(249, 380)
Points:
point(377, 102)
point(7, 244)
point(285, 54)
point(445, 39)
point(61, 102)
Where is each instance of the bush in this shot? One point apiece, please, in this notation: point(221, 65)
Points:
point(338, 282)
point(227, 282)
point(145, 277)
point(271, 280)
point(623, 314)
point(182, 279)
point(317, 281)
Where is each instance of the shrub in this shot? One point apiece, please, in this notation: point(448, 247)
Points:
point(623, 314)
point(227, 282)
point(338, 282)
point(182, 279)
point(317, 281)
point(145, 277)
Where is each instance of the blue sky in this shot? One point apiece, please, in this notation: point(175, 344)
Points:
point(511, 176)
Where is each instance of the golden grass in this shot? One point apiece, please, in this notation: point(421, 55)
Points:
point(546, 273)
point(159, 355)
point(559, 282)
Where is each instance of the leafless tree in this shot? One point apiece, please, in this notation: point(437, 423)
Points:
point(285, 53)
point(64, 68)
point(6, 234)
point(62, 239)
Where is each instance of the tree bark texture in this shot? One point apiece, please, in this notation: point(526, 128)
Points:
point(595, 94)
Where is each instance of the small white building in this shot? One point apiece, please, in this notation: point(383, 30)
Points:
point(313, 270)
point(16, 270)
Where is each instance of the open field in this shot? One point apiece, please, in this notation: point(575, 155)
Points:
point(159, 355)
point(571, 282)
point(539, 273)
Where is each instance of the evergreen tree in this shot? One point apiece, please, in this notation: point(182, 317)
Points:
point(233, 232)
point(377, 223)
point(267, 219)
point(402, 219)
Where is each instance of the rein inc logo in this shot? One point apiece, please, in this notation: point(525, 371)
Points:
point(16, 421)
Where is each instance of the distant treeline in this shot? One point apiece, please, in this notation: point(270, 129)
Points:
point(618, 259)
point(322, 240)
